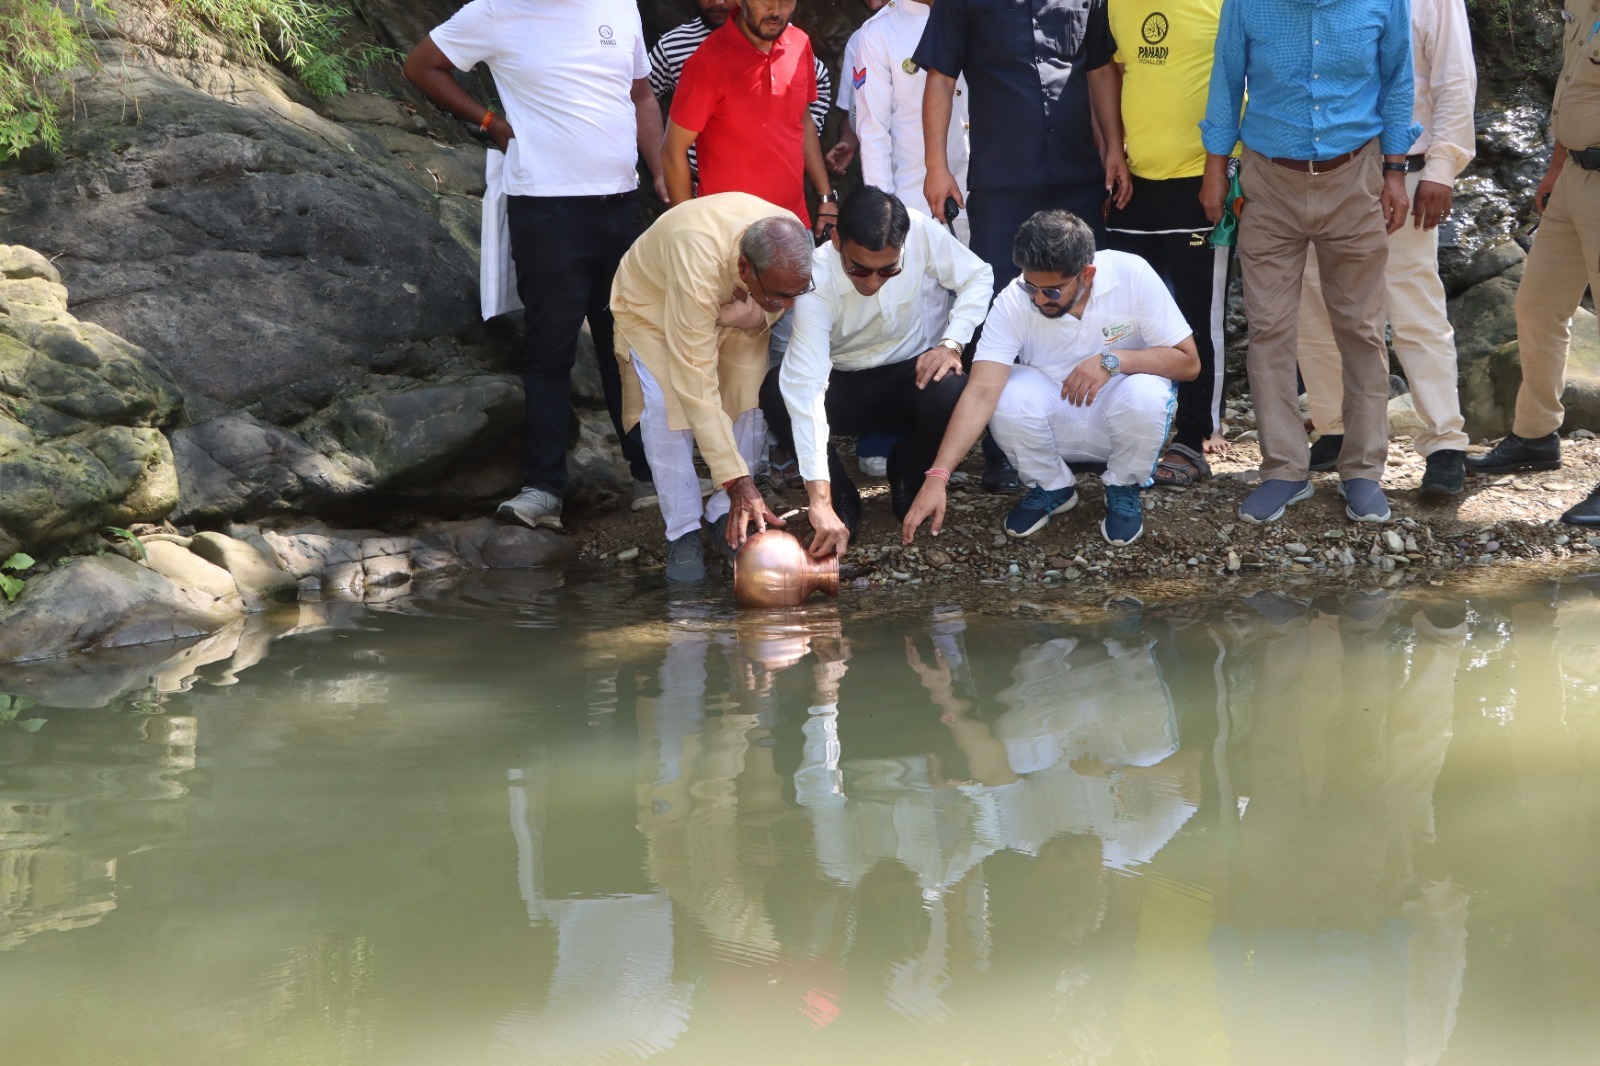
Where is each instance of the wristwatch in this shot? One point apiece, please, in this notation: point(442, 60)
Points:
point(954, 346)
point(1397, 168)
point(1110, 363)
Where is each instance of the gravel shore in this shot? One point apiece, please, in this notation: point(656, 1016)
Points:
point(1192, 537)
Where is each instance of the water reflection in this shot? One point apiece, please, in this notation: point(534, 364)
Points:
point(1353, 829)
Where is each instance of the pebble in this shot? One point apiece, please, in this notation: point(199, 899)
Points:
point(999, 540)
point(1333, 534)
point(627, 555)
point(1393, 541)
point(1296, 548)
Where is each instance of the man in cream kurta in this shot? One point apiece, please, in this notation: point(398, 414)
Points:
point(694, 300)
point(1446, 88)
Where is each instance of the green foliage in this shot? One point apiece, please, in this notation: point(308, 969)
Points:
point(40, 43)
point(130, 536)
point(10, 585)
point(11, 705)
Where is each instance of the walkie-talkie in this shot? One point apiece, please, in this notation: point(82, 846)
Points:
point(951, 210)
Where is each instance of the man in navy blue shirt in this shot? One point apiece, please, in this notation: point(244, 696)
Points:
point(1033, 144)
point(1326, 131)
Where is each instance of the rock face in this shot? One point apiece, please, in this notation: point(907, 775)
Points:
point(81, 417)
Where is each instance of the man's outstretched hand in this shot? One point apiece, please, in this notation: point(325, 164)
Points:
point(929, 503)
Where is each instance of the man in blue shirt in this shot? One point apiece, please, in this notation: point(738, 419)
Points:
point(1330, 91)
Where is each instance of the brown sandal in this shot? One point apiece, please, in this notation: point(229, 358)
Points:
point(1181, 468)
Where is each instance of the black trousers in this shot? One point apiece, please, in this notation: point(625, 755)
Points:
point(995, 215)
point(880, 399)
point(1163, 223)
point(566, 250)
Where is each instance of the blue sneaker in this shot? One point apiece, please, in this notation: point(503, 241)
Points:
point(1364, 500)
point(1030, 515)
point(1124, 519)
point(1268, 502)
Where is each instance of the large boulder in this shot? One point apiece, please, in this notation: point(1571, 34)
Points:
point(81, 417)
point(106, 601)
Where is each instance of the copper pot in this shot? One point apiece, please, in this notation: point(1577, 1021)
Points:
point(773, 570)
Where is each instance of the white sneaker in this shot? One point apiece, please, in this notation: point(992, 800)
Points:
point(873, 465)
point(644, 494)
point(532, 507)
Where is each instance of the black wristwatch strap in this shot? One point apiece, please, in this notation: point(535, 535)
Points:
point(1398, 168)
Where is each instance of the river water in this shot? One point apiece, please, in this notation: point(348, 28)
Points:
point(545, 819)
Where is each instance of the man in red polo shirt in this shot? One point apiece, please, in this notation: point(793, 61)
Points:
point(742, 103)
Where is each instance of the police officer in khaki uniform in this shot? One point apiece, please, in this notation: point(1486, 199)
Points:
point(1564, 259)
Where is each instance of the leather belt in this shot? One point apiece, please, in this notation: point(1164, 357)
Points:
point(1587, 158)
point(1314, 166)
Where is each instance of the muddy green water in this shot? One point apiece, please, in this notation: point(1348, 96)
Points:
point(547, 820)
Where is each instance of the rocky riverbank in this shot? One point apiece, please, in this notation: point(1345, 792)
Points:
point(1193, 538)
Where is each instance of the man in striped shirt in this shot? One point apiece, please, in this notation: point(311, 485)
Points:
point(678, 44)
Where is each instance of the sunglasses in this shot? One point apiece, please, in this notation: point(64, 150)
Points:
point(855, 270)
point(1050, 293)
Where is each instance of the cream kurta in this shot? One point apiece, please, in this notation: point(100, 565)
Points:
point(665, 298)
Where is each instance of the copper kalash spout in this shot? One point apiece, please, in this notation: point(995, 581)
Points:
point(773, 570)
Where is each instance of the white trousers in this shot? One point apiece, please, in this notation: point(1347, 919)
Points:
point(1424, 341)
point(671, 456)
point(1124, 428)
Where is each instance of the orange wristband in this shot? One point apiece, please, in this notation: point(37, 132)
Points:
point(488, 120)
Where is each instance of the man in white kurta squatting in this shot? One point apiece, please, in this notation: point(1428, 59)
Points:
point(866, 357)
point(888, 106)
point(1076, 364)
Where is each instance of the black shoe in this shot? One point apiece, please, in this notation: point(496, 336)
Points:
point(1325, 452)
point(1446, 474)
point(1518, 453)
point(902, 489)
point(998, 475)
point(847, 505)
point(1586, 513)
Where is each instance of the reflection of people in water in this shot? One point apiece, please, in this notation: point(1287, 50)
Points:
point(1330, 947)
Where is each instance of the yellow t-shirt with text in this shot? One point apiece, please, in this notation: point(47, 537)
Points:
point(1165, 49)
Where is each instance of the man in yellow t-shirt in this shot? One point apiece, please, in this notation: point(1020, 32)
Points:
point(1164, 52)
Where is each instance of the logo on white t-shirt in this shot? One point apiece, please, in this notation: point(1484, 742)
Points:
point(1116, 331)
point(607, 37)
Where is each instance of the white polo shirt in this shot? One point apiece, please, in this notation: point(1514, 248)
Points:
point(1129, 307)
point(888, 104)
point(565, 71)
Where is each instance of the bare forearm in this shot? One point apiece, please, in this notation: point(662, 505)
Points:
point(651, 130)
point(938, 98)
point(816, 166)
point(1105, 100)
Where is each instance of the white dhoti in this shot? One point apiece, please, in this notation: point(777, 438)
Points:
point(671, 456)
point(1125, 428)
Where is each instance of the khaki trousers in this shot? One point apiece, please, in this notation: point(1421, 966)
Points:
point(1424, 341)
point(1564, 260)
point(1286, 213)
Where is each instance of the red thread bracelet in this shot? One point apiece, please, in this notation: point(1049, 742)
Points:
point(488, 120)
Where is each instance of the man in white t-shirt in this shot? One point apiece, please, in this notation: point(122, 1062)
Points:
point(1076, 364)
point(579, 113)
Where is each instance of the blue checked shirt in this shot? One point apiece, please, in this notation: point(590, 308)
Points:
point(1324, 76)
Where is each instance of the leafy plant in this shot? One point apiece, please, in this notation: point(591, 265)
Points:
point(131, 537)
point(9, 708)
point(40, 43)
point(10, 585)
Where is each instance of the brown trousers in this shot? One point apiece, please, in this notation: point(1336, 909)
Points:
point(1339, 213)
point(1564, 260)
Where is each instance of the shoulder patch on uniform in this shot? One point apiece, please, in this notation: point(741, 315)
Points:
point(858, 76)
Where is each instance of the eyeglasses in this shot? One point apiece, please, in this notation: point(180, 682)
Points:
point(855, 270)
point(811, 286)
point(1050, 293)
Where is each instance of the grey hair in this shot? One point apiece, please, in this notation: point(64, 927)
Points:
point(778, 243)
point(1053, 242)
